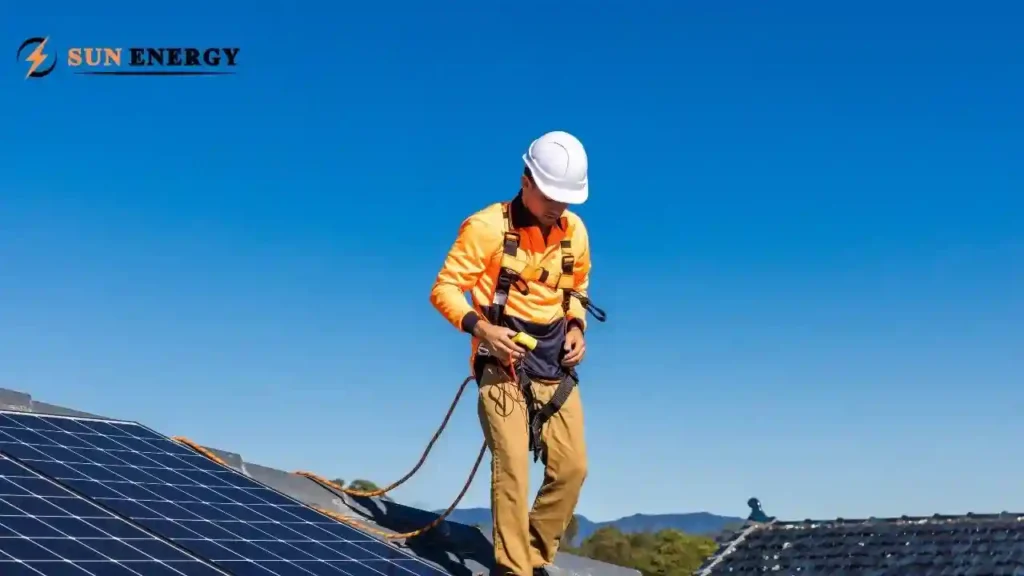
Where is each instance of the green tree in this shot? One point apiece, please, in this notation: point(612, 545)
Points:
point(608, 544)
point(338, 481)
point(663, 553)
point(364, 485)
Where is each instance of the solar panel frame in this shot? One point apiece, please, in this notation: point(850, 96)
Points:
point(113, 462)
point(40, 534)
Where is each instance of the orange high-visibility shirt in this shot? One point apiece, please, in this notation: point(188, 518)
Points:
point(473, 264)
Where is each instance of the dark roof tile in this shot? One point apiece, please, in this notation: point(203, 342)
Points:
point(941, 545)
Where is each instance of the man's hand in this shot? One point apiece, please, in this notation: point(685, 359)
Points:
point(499, 341)
point(575, 347)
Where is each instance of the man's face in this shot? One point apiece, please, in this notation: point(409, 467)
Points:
point(546, 210)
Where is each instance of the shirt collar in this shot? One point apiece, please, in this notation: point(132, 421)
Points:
point(521, 217)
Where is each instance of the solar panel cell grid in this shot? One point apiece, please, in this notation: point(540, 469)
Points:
point(47, 530)
point(211, 510)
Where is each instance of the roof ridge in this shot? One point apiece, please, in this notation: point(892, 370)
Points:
point(1004, 515)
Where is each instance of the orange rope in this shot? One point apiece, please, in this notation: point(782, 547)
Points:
point(423, 458)
point(381, 491)
point(401, 535)
point(200, 449)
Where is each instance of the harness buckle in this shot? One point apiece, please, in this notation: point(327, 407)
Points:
point(511, 243)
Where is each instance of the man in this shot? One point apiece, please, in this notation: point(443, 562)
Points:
point(544, 251)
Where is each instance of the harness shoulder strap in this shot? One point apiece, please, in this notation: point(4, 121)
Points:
point(506, 276)
point(567, 280)
point(568, 284)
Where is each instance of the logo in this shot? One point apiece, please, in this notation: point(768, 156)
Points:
point(36, 57)
point(129, 61)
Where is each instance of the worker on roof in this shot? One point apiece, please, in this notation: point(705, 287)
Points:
point(526, 264)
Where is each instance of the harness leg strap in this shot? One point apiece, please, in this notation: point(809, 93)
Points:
point(539, 416)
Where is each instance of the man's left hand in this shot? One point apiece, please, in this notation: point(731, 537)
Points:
point(575, 347)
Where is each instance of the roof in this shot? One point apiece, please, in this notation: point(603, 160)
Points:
point(458, 549)
point(952, 545)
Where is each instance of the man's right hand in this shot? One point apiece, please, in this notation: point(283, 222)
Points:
point(499, 341)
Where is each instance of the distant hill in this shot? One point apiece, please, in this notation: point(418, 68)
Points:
point(703, 523)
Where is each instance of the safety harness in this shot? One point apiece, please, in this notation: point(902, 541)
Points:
point(514, 272)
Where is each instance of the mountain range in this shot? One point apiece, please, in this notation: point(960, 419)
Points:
point(701, 523)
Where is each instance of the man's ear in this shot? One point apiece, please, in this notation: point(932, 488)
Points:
point(525, 182)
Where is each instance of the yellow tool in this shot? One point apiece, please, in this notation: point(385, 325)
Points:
point(525, 339)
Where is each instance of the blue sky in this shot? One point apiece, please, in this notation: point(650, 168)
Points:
point(806, 223)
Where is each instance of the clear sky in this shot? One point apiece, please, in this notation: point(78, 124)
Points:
point(806, 222)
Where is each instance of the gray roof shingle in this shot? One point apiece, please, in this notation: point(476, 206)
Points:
point(957, 545)
point(459, 549)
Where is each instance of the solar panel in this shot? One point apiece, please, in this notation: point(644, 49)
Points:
point(45, 529)
point(209, 509)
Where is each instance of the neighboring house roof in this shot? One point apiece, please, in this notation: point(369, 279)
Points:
point(970, 544)
point(456, 548)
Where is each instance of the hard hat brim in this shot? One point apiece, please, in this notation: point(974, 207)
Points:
point(554, 190)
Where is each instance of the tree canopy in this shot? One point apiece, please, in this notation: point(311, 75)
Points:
point(666, 552)
point(364, 485)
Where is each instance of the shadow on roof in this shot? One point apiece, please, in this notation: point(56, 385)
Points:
point(450, 545)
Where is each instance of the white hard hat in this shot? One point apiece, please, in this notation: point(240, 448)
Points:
point(558, 163)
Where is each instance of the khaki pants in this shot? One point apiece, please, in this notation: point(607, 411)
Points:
point(527, 539)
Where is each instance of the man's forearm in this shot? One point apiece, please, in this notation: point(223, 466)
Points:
point(450, 301)
point(466, 261)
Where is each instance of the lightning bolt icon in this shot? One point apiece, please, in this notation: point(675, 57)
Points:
point(37, 57)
